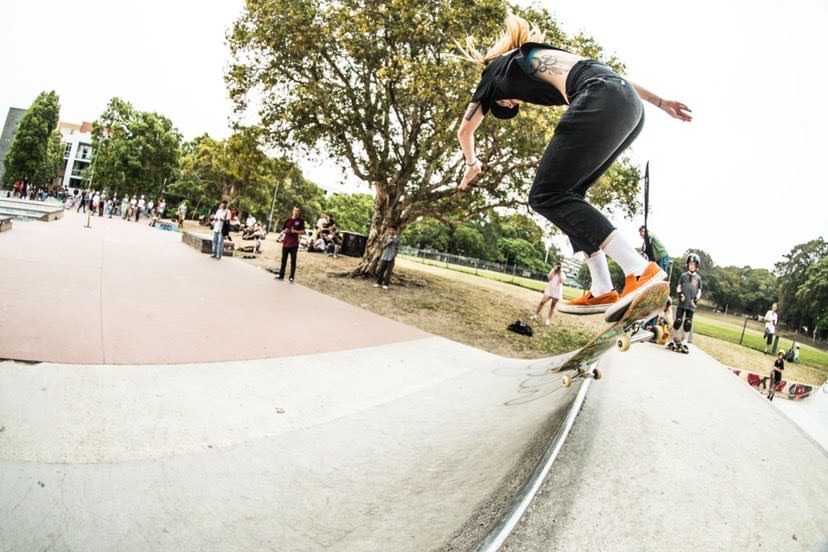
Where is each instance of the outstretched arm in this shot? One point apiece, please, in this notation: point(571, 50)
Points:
point(465, 134)
point(675, 109)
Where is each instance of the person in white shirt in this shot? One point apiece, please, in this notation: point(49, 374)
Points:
point(771, 320)
point(221, 215)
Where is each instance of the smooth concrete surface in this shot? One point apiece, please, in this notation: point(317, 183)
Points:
point(412, 446)
point(673, 452)
point(112, 291)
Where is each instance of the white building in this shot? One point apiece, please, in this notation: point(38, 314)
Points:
point(77, 153)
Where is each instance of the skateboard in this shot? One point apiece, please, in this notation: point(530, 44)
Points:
point(621, 334)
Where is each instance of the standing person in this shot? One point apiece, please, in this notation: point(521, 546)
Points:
point(292, 228)
point(654, 249)
point(182, 214)
point(776, 374)
point(553, 292)
point(139, 208)
point(689, 294)
point(390, 248)
point(605, 115)
point(771, 320)
point(221, 215)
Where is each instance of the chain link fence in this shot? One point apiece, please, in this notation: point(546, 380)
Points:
point(512, 273)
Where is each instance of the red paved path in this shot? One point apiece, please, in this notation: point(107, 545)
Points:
point(123, 293)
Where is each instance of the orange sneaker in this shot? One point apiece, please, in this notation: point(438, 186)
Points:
point(588, 303)
point(633, 286)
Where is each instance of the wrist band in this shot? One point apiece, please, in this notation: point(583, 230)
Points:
point(659, 102)
point(473, 163)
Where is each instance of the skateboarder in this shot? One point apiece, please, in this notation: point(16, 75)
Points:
point(689, 294)
point(776, 374)
point(605, 115)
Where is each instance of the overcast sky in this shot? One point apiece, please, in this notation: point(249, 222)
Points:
point(742, 181)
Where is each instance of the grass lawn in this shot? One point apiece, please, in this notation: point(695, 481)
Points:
point(475, 306)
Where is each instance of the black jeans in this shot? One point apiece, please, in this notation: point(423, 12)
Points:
point(604, 117)
point(384, 272)
point(291, 251)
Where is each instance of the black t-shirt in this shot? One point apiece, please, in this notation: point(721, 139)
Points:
point(507, 77)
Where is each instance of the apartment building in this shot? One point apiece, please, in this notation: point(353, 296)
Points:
point(77, 153)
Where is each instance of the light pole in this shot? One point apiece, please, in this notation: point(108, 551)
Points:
point(272, 207)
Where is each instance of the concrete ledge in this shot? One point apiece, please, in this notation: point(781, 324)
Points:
point(35, 210)
point(5, 224)
point(204, 243)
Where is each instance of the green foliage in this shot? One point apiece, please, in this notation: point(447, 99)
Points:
point(812, 295)
point(743, 290)
point(467, 240)
point(136, 152)
point(352, 212)
point(511, 239)
point(795, 308)
point(33, 154)
point(237, 170)
point(427, 234)
point(377, 86)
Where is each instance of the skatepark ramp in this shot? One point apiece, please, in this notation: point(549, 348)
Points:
point(421, 445)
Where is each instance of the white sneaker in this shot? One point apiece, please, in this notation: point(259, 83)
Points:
point(533, 317)
point(548, 322)
point(376, 285)
point(384, 287)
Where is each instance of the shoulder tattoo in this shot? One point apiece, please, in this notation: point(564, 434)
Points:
point(549, 63)
point(471, 110)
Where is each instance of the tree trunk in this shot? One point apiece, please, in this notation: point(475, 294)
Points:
point(388, 212)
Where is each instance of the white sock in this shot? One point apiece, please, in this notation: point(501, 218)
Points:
point(630, 261)
point(600, 274)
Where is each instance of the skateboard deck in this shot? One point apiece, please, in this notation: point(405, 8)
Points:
point(620, 334)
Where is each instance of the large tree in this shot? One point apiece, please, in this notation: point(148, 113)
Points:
point(136, 152)
point(795, 308)
point(376, 86)
point(813, 296)
point(239, 171)
point(33, 154)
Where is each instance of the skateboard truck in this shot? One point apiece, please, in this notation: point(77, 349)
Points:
point(594, 373)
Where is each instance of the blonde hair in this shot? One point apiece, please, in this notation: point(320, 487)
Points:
point(518, 32)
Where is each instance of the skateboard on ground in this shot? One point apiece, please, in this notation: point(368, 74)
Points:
point(621, 334)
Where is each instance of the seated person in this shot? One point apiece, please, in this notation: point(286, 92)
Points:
point(249, 222)
point(333, 243)
point(254, 231)
point(316, 245)
point(235, 224)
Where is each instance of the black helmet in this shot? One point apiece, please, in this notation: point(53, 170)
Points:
point(694, 258)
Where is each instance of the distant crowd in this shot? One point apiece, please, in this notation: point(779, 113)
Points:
point(128, 208)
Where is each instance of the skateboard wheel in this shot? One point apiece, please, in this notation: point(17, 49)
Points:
point(566, 381)
point(623, 342)
point(597, 374)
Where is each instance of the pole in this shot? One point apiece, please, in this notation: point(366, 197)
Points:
point(272, 207)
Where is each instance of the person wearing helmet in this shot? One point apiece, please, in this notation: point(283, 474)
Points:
point(689, 294)
point(775, 376)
